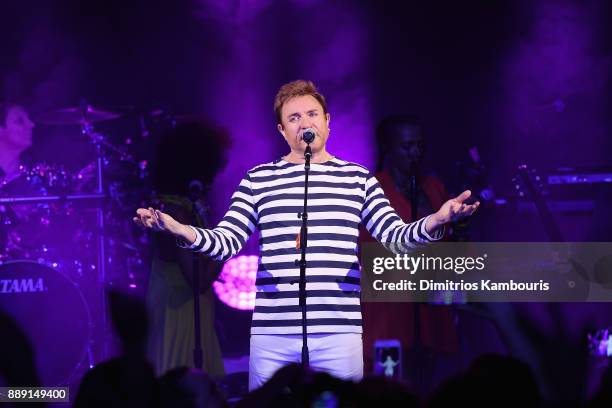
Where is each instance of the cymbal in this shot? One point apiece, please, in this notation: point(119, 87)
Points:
point(76, 116)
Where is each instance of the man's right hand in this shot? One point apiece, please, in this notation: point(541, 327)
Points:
point(155, 220)
point(160, 221)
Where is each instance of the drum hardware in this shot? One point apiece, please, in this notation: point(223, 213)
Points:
point(77, 115)
point(51, 196)
point(103, 146)
point(98, 141)
point(51, 308)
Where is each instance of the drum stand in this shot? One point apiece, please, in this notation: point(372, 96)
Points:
point(97, 139)
point(101, 144)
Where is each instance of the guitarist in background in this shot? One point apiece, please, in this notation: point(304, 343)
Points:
point(426, 332)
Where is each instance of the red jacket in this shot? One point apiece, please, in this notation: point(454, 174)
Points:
point(382, 320)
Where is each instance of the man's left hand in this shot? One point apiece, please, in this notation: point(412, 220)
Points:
point(452, 210)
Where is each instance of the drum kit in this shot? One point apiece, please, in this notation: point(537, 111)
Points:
point(64, 232)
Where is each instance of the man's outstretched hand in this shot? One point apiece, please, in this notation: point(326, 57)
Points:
point(451, 211)
point(160, 221)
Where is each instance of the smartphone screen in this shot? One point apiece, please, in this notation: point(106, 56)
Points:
point(388, 359)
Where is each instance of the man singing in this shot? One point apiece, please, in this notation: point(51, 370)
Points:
point(341, 195)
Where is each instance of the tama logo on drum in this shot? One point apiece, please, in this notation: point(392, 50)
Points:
point(21, 285)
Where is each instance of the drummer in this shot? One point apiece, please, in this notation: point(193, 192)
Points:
point(15, 137)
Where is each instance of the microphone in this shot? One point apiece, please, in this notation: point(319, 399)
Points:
point(196, 189)
point(308, 135)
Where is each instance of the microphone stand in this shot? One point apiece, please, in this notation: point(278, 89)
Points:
point(418, 349)
point(413, 197)
point(197, 348)
point(303, 239)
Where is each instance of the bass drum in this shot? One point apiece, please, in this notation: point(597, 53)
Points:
point(52, 311)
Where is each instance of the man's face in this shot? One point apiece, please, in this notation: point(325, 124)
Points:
point(303, 112)
point(17, 131)
point(406, 147)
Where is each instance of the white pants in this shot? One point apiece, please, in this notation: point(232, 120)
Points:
point(340, 355)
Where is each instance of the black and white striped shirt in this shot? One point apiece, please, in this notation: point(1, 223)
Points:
point(341, 195)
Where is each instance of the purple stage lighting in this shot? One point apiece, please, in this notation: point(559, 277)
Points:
point(236, 284)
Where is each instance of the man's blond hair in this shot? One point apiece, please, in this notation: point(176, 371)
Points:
point(294, 89)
